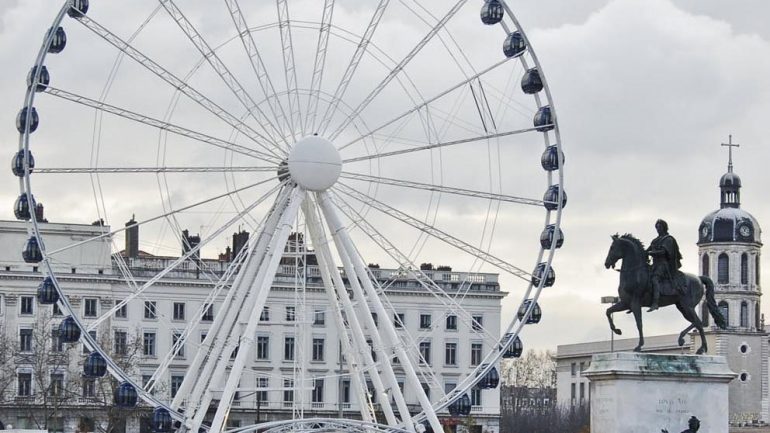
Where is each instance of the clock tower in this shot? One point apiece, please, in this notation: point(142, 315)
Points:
point(729, 247)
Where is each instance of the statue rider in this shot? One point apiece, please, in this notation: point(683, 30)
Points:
point(666, 260)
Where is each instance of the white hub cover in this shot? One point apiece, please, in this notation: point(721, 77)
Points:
point(314, 163)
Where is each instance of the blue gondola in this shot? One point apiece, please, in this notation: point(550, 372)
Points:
point(544, 119)
point(161, 421)
point(17, 164)
point(490, 380)
point(78, 8)
point(492, 12)
point(537, 275)
point(515, 349)
point(95, 365)
point(461, 406)
point(43, 80)
point(514, 45)
point(125, 396)
point(551, 198)
point(46, 292)
point(21, 209)
point(547, 235)
point(69, 331)
point(531, 82)
point(552, 158)
point(58, 42)
point(21, 120)
point(31, 252)
point(536, 315)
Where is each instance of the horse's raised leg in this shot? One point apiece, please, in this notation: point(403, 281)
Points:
point(614, 308)
point(636, 308)
point(680, 341)
point(690, 314)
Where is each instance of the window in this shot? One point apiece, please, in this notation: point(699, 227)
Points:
point(723, 269)
point(263, 347)
point(572, 393)
point(318, 391)
point(374, 319)
point(175, 337)
point(744, 314)
point(705, 265)
point(203, 336)
point(122, 311)
point(724, 308)
point(288, 349)
point(476, 353)
point(27, 305)
point(288, 392)
point(424, 321)
point(450, 354)
point(371, 348)
point(451, 322)
point(178, 311)
point(318, 349)
point(56, 344)
point(582, 367)
point(55, 425)
point(89, 387)
point(398, 320)
point(426, 390)
point(93, 337)
point(148, 383)
point(121, 342)
point(56, 310)
point(25, 340)
point(582, 391)
point(264, 316)
point(24, 388)
point(477, 322)
point(345, 391)
point(573, 369)
point(150, 310)
point(208, 314)
point(744, 268)
point(319, 318)
point(86, 424)
point(475, 396)
point(262, 382)
point(425, 352)
point(90, 306)
point(148, 343)
point(291, 314)
point(756, 269)
point(176, 383)
point(57, 385)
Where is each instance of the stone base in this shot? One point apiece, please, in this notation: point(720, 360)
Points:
point(645, 392)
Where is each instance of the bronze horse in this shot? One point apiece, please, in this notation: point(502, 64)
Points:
point(635, 290)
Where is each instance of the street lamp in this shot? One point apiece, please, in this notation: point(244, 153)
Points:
point(611, 300)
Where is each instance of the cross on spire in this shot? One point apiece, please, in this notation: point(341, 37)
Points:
point(730, 146)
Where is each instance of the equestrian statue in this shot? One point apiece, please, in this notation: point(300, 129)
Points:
point(660, 284)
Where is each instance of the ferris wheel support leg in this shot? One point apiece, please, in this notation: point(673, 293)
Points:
point(355, 266)
point(200, 370)
point(261, 287)
point(331, 280)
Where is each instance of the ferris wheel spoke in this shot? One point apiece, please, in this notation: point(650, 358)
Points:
point(398, 68)
point(319, 65)
point(165, 215)
point(177, 83)
point(165, 126)
point(461, 85)
point(184, 257)
point(289, 67)
point(403, 261)
point(224, 73)
point(439, 145)
point(256, 62)
point(117, 170)
point(342, 87)
point(442, 189)
point(433, 232)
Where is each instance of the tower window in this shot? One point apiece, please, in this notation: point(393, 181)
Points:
point(744, 314)
point(705, 265)
point(744, 268)
point(723, 269)
point(725, 309)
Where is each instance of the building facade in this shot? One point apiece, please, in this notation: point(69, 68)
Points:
point(297, 362)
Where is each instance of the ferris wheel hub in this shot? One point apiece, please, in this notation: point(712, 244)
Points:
point(314, 163)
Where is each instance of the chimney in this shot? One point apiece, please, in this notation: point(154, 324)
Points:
point(39, 213)
point(190, 242)
point(240, 240)
point(132, 239)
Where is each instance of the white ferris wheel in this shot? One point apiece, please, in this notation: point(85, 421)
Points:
point(393, 131)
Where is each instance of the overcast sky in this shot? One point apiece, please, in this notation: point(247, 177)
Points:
point(645, 90)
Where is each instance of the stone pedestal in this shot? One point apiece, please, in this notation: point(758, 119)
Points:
point(644, 392)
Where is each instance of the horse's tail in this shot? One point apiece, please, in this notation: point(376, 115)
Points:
point(719, 319)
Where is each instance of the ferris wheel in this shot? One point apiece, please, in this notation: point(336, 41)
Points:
point(393, 132)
